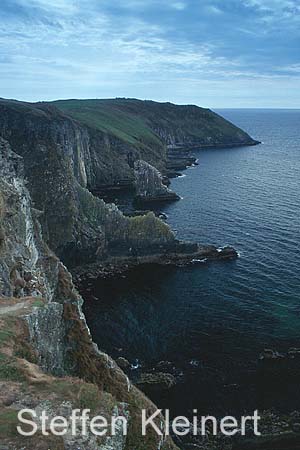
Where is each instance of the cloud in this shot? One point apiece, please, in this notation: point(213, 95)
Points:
point(66, 48)
point(275, 10)
point(180, 6)
point(212, 9)
point(293, 69)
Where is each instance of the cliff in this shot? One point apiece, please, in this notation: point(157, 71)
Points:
point(59, 166)
point(50, 163)
point(65, 160)
point(48, 360)
point(158, 133)
point(149, 126)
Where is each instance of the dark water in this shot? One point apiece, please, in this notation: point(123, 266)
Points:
point(212, 320)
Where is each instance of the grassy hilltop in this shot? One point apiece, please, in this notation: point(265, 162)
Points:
point(144, 123)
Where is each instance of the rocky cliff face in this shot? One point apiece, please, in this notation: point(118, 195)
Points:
point(149, 184)
point(24, 255)
point(43, 336)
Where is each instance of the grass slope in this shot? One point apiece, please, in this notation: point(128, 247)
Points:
point(141, 122)
point(109, 116)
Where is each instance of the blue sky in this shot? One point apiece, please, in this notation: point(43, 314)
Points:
point(214, 53)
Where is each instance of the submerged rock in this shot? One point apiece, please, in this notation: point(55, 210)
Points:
point(156, 381)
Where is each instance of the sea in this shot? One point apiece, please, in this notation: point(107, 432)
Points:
point(209, 323)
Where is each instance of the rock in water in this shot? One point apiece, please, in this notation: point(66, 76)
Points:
point(156, 382)
point(150, 185)
point(123, 363)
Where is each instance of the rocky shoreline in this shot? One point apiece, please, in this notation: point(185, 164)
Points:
point(120, 265)
point(179, 155)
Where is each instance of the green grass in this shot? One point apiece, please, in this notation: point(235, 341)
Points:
point(89, 397)
point(38, 303)
point(8, 422)
point(7, 330)
point(9, 370)
point(130, 127)
point(5, 335)
point(147, 227)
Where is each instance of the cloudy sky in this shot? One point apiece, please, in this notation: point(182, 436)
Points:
point(215, 53)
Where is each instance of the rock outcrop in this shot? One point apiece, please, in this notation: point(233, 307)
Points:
point(158, 381)
point(149, 184)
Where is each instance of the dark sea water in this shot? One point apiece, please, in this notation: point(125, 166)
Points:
point(211, 321)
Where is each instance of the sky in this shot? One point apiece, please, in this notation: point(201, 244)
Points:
point(213, 53)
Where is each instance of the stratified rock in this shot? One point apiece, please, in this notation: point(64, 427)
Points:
point(150, 185)
point(179, 158)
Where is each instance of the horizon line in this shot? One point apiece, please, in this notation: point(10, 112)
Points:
point(157, 101)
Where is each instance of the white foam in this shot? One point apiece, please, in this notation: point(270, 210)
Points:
point(136, 365)
point(196, 261)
